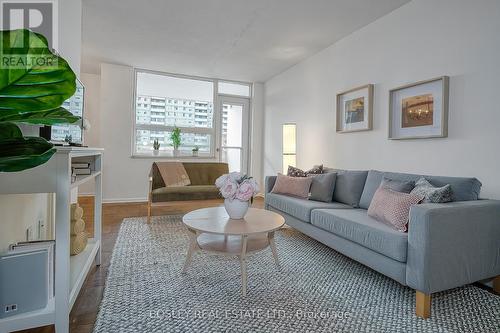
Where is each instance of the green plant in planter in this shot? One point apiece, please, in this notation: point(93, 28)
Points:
point(156, 144)
point(176, 137)
point(34, 82)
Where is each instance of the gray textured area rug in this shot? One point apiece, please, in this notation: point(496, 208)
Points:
point(318, 290)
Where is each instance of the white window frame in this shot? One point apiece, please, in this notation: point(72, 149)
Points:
point(283, 153)
point(215, 131)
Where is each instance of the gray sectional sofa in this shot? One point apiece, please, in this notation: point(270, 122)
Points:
point(448, 245)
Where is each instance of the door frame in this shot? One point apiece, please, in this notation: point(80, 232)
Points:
point(245, 102)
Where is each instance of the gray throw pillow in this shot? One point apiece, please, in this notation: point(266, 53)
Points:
point(397, 185)
point(349, 186)
point(431, 193)
point(322, 187)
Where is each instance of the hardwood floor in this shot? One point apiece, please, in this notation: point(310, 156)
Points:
point(86, 307)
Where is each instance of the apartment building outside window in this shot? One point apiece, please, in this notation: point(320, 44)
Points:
point(162, 103)
point(201, 108)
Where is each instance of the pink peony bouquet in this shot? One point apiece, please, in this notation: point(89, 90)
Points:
point(236, 185)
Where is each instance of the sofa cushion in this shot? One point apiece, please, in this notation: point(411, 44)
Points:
point(296, 186)
point(398, 185)
point(393, 208)
point(297, 207)
point(296, 172)
point(190, 192)
point(322, 187)
point(349, 186)
point(356, 226)
point(432, 193)
point(463, 188)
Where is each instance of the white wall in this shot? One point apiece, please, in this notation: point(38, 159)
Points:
point(92, 99)
point(257, 130)
point(70, 32)
point(19, 212)
point(124, 178)
point(420, 40)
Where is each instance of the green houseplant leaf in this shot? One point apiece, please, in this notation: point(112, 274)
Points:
point(51, 117)
point(9, 131)
point(37, 79)
point(24, 153)
point(33, 85)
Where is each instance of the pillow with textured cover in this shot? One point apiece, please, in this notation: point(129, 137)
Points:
point(398, 185)
point(393, 208)
point(432, 193)
point(322, 187)
point(295, 186)
point(296, 172)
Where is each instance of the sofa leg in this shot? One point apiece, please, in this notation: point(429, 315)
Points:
point(423, 308)
point(496, 285)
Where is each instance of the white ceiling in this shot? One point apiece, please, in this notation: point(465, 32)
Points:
point(247, 40)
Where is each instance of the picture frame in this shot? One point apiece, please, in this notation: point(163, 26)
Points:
point(355, 109)
point(419, 110)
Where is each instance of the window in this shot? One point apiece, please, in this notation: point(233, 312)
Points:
point(153, 122)
point(289, 146)
point(234, 88)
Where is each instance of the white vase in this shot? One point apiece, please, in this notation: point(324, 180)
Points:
point(236, 209)
point(156, 152)
point(176, 152)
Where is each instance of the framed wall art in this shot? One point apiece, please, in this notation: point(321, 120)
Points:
point(355, 109)
point(419, 110)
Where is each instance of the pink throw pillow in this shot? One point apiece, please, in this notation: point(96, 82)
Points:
point(393, 208)
point(296, 186)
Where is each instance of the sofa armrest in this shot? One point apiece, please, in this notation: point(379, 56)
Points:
point(269, 183)
point(453, 244)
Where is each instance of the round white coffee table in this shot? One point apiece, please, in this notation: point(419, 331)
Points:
point(211, 229)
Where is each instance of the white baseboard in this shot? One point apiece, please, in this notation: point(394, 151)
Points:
point(124, 200)
point(115, 200)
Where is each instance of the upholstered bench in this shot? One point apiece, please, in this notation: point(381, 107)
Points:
point(202, 178)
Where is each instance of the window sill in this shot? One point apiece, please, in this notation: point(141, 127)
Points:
point(181, 156)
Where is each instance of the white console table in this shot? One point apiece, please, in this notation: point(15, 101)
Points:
point(70, 272)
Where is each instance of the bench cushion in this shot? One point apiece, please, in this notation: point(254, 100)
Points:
point(299, 208)
point(356, 226)
point(190, 192)
point(205, 173)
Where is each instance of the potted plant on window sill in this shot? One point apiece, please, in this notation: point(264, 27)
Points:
point(176, 140)
point(195, 151)
point(156, 147)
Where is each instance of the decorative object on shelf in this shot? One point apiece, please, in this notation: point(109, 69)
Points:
point(195, 151)
point(355, 109)
point(419, 110)
point(78, 235)
point(156, 147)
point(176, 140)
point(238, 190)
point(20, 85)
